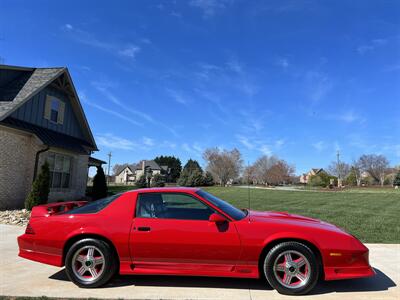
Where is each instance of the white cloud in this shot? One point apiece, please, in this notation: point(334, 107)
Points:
point(109, 140)
point(319, 146)
point(319, 85)
point(84, 99)
point(67, 27)
point(283, 63)
point(177, 96)
point(194, 149)
point(265, 149)
point(148, 141)
point(371, 46)
point(86, 38)
point(235, 66)
point(210, 7)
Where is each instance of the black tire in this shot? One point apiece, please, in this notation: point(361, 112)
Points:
point(275, 253)
point(108, 270)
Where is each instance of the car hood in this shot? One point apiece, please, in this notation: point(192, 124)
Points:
point(287, 218)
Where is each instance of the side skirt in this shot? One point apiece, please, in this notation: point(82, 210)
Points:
point(187, 269)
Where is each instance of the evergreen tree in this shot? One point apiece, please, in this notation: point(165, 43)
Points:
point(195, 178)
point(141, 182)
point(186, 178)
point(174, 165)
point(396, 181)
point(40, 188)
point(99, 189)
point(158, 181)
point(208, 179)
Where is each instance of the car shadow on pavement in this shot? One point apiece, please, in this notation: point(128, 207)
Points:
point(380, 282)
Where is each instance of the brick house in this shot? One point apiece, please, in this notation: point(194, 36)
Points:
point(129, 173)
point(41, 119)
point(306, 176)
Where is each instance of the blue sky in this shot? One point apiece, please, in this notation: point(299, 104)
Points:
point(299, 79)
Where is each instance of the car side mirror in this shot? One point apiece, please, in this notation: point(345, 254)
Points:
point(217, 218)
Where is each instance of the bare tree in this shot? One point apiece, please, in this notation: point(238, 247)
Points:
point(339, 169)
point(261, 167)
point(272, 170)
point(249, 175)
point(280, 172)
point(224, 165)
point(356, 167)
point(375, 165)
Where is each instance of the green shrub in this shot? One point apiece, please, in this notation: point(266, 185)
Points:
point(99, 189)
point(39, 193)
point(158, 181)
point(141, 182)
point(195, 178)
point(208, 179)
point(396, 181)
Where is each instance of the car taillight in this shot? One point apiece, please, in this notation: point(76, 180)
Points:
point(29, 229)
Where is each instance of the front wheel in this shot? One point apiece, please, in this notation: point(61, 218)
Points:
point(90, 263)
point(291, 268)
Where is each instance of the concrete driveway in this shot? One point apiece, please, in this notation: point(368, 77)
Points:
point(20, 277)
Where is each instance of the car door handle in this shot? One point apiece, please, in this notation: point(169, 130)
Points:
point(143, 228)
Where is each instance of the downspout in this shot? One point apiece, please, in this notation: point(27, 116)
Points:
point(37, 161)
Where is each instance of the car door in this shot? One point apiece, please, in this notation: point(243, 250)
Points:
point(173, 230)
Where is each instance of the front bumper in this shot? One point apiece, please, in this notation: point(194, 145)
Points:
point(351, 264)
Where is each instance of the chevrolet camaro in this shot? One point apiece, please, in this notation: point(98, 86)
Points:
point(187, 231)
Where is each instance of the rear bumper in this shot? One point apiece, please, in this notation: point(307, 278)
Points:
point(27, 249)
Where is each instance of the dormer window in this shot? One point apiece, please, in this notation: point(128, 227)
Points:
point(54, 110)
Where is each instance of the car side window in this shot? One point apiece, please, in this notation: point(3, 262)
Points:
point(171, 206)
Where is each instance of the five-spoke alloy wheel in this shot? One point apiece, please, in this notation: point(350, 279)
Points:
point(291, 268)
point(90, 263)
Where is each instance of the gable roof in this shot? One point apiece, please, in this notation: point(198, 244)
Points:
point(148, 163)
point(133, 167)
point(30, 82)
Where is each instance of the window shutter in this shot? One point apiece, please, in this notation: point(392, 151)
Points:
point(60, 119)
point(47, 108)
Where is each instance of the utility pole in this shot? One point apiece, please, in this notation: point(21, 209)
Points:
point(109, 165)
point(338, 168)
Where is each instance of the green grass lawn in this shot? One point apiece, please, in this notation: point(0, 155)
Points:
point(372, 215)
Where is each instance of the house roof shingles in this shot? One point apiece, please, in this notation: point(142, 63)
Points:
point(36, 80)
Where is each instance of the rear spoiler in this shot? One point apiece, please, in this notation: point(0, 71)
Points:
point(47, 210)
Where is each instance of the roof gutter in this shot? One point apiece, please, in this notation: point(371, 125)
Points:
point(37, 161)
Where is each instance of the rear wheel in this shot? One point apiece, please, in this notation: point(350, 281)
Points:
point(90, 263)
point(291, 268)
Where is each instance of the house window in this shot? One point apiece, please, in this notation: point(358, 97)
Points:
point(54, 110)
point(60, 170)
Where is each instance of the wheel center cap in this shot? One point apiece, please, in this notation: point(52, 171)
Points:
point(88, 263)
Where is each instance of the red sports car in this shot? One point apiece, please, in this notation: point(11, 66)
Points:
point(187, 231)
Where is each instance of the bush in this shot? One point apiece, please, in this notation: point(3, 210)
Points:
point(208, 179)
point(195, 178)
point(396, 181)
point(99, 189)
point(183, 178)
point(141, 182)
point(40, 188)
point(158, 181)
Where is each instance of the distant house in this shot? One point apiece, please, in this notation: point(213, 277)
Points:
point(41, 119)
point(129, 173)
point(304, 178)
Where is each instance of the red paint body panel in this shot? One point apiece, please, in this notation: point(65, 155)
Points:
point(190, 247)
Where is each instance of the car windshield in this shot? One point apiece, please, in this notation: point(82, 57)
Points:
point(93, 207)
point(232, 211)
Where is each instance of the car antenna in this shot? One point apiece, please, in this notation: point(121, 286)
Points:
point(248, 189)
